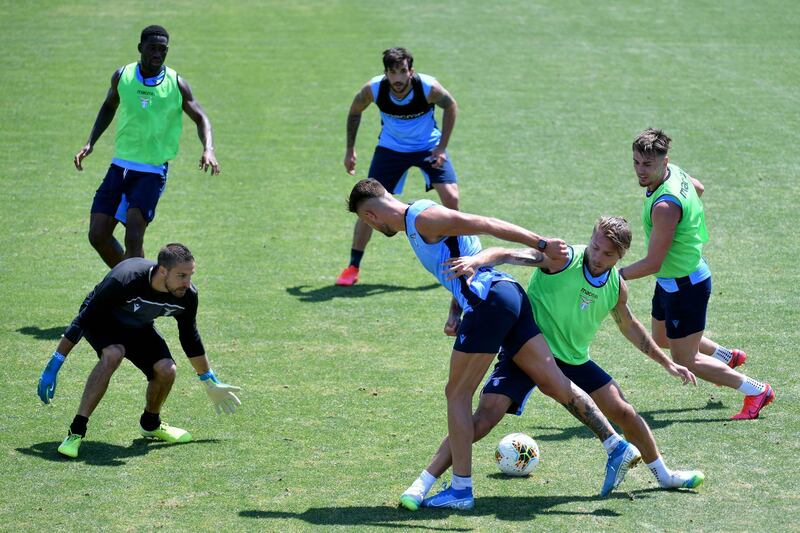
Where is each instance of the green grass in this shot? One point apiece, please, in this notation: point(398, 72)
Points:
point(343, 389)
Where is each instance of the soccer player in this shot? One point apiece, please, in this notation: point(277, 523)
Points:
point(675, 230)
point(409, 138)
point(150, 97)
point(570, 297)
point(496, 313)
point(117, 320)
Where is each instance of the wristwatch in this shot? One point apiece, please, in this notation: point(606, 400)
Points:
point(541, 245)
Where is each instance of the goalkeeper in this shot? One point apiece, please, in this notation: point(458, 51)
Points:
point(117, 320)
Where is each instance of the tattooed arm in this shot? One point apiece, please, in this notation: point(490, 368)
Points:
point(442, 98)
point(361, 101)
point(635, 332)
point(466, 266)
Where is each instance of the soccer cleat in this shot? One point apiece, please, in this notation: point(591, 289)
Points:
point(349, 276)
point(71, 445)
point(687, 479)
point(452, 499)
point(624, 457)
point(754, 404)
point(167, 433)
point(738, 358)
point(412, 498)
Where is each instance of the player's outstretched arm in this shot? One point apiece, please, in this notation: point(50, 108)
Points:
point(195, 111)
point(104, 117)
point(221, 394)
point(636, 333)
point(361, 101)
point(438, 222)
point(468, 265)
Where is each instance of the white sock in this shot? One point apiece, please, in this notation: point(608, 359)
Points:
point(660, 470)
point(461, 483)
point(427, 480)
point(723, 354)
point(751, 387)
point(611, 443)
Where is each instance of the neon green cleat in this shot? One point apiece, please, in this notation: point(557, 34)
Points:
point(410, 502)
point(696, 479)
point(71, 445)
point(167, 433)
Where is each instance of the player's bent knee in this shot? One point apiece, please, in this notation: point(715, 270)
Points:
point(165, 370)
point(111, 356)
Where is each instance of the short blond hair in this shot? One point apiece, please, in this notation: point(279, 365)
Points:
point(617, 230)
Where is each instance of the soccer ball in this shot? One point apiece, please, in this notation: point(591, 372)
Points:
point(517, 454)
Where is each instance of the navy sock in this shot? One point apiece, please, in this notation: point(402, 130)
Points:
point(355, 257)
point(150, 421)
point(78, 425)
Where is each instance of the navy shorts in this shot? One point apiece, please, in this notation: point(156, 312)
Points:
point(144, 347)
point(684, 311)
point(509, 380)
point(141, 189)
point(390, 169)
point(504, 319)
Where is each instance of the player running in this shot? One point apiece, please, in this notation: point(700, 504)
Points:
point(570, 297)
point(675, 229)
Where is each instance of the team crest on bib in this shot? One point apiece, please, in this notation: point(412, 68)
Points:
point(145, 100)
point(587, 298)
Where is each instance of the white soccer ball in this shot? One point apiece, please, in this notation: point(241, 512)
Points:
point(517, 454)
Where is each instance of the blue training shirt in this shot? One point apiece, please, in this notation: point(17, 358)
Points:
point(433, 255)
point(416, 134)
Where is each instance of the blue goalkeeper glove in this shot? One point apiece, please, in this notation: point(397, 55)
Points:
point(47, 381)
point(220, 394)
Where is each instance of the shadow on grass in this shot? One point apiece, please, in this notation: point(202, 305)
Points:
point(103, 454)
point(510, 508)
point(652, 418)
point(360, 290)
point(49, 334)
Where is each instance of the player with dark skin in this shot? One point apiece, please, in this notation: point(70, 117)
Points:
point(153, 50)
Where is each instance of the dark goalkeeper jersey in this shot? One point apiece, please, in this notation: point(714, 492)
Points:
point(126, 299)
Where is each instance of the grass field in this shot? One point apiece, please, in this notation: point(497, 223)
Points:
point(343, 388)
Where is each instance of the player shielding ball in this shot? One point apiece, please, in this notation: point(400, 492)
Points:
point(117, 320)
point(570, 298)
point(496, 313)
point(674, 223)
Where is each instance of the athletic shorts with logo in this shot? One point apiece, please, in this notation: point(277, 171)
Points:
point(683, 311)
point(390, 169)
point(144, 347)
point(504, 319)
point(140, 189)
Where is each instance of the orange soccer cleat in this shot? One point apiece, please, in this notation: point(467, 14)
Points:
point(349, 276)
point(754, 404)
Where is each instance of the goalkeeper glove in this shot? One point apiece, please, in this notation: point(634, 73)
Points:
point(47, 381)
point(220, 394)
